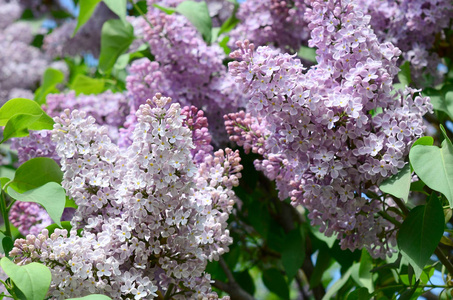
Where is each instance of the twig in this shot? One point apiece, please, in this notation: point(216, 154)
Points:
point(232, 287)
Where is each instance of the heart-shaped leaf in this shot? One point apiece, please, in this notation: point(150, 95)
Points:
point(33, 279)
point(51, 196)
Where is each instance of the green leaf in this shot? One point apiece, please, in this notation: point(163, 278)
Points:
point(421, 232)
point(116, 37)
point(167, 10)
point(424, 140)
point(124, 59)
point(434, 166)
point(118, 7)
point(87, 8)
point(399, 184)
point(49, 81)
point(365, 275)
point(404, 76)
point(231, 22)
point(18, 126)
point(92, 297)
point(323, 262)
point(6, 244)
point(198, 14)
point(51, 196)
point(276, 283)
point(224, 45)
point(338, 285)
point(35, 173)
point(18, 106)
point(33, 279)
point(307, 53)
point(359, 294)
point(86, 85)
point(245, 281)
point(293, 254)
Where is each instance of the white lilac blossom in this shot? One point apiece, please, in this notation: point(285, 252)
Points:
point(151, 218)
point(185, 66)
point(330, 134)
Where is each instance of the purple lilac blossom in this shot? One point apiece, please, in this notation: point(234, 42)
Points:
point(276, 23)
point(32, 218)
point(186, 68)
point(320, 131)
point(151, 217)
point(413, 26)
point(21, 65)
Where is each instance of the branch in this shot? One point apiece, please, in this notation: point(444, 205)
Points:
point(232, 287)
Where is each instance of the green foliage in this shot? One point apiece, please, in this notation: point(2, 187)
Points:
point(35, 173)
point(20, 115)
point(434, 166)
point(49, 82)
point(50, 195)
point(33, 280)
point(307, 53)
point(6, 244)
point(404, 76)
point(293, 253)
point(87, 8)
point(359, 294)
point(421, 232)
point(338, 285)
point(116, 37)
point(399, 184)
point(276, 283)
point(126, 58)
point(118, 7)
point(198, 14)
point(86, 85)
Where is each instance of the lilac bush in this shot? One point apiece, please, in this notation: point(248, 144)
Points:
point(330, 134)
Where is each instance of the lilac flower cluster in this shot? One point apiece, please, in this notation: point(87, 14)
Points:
point(276, 23)
point(151, 217)
point(108, 109)
point(186, 67)
point(21, 65)
point(334, 132)
point(413, 26)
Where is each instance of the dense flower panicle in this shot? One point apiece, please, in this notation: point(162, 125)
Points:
point(272, 22)
point(198, 125)
point(151, 217)
point(21, 65)
point(413, 26)
point(335, 131)
point(108, 109)
point(185, 67)
point(9, 12)
point(29, 217)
